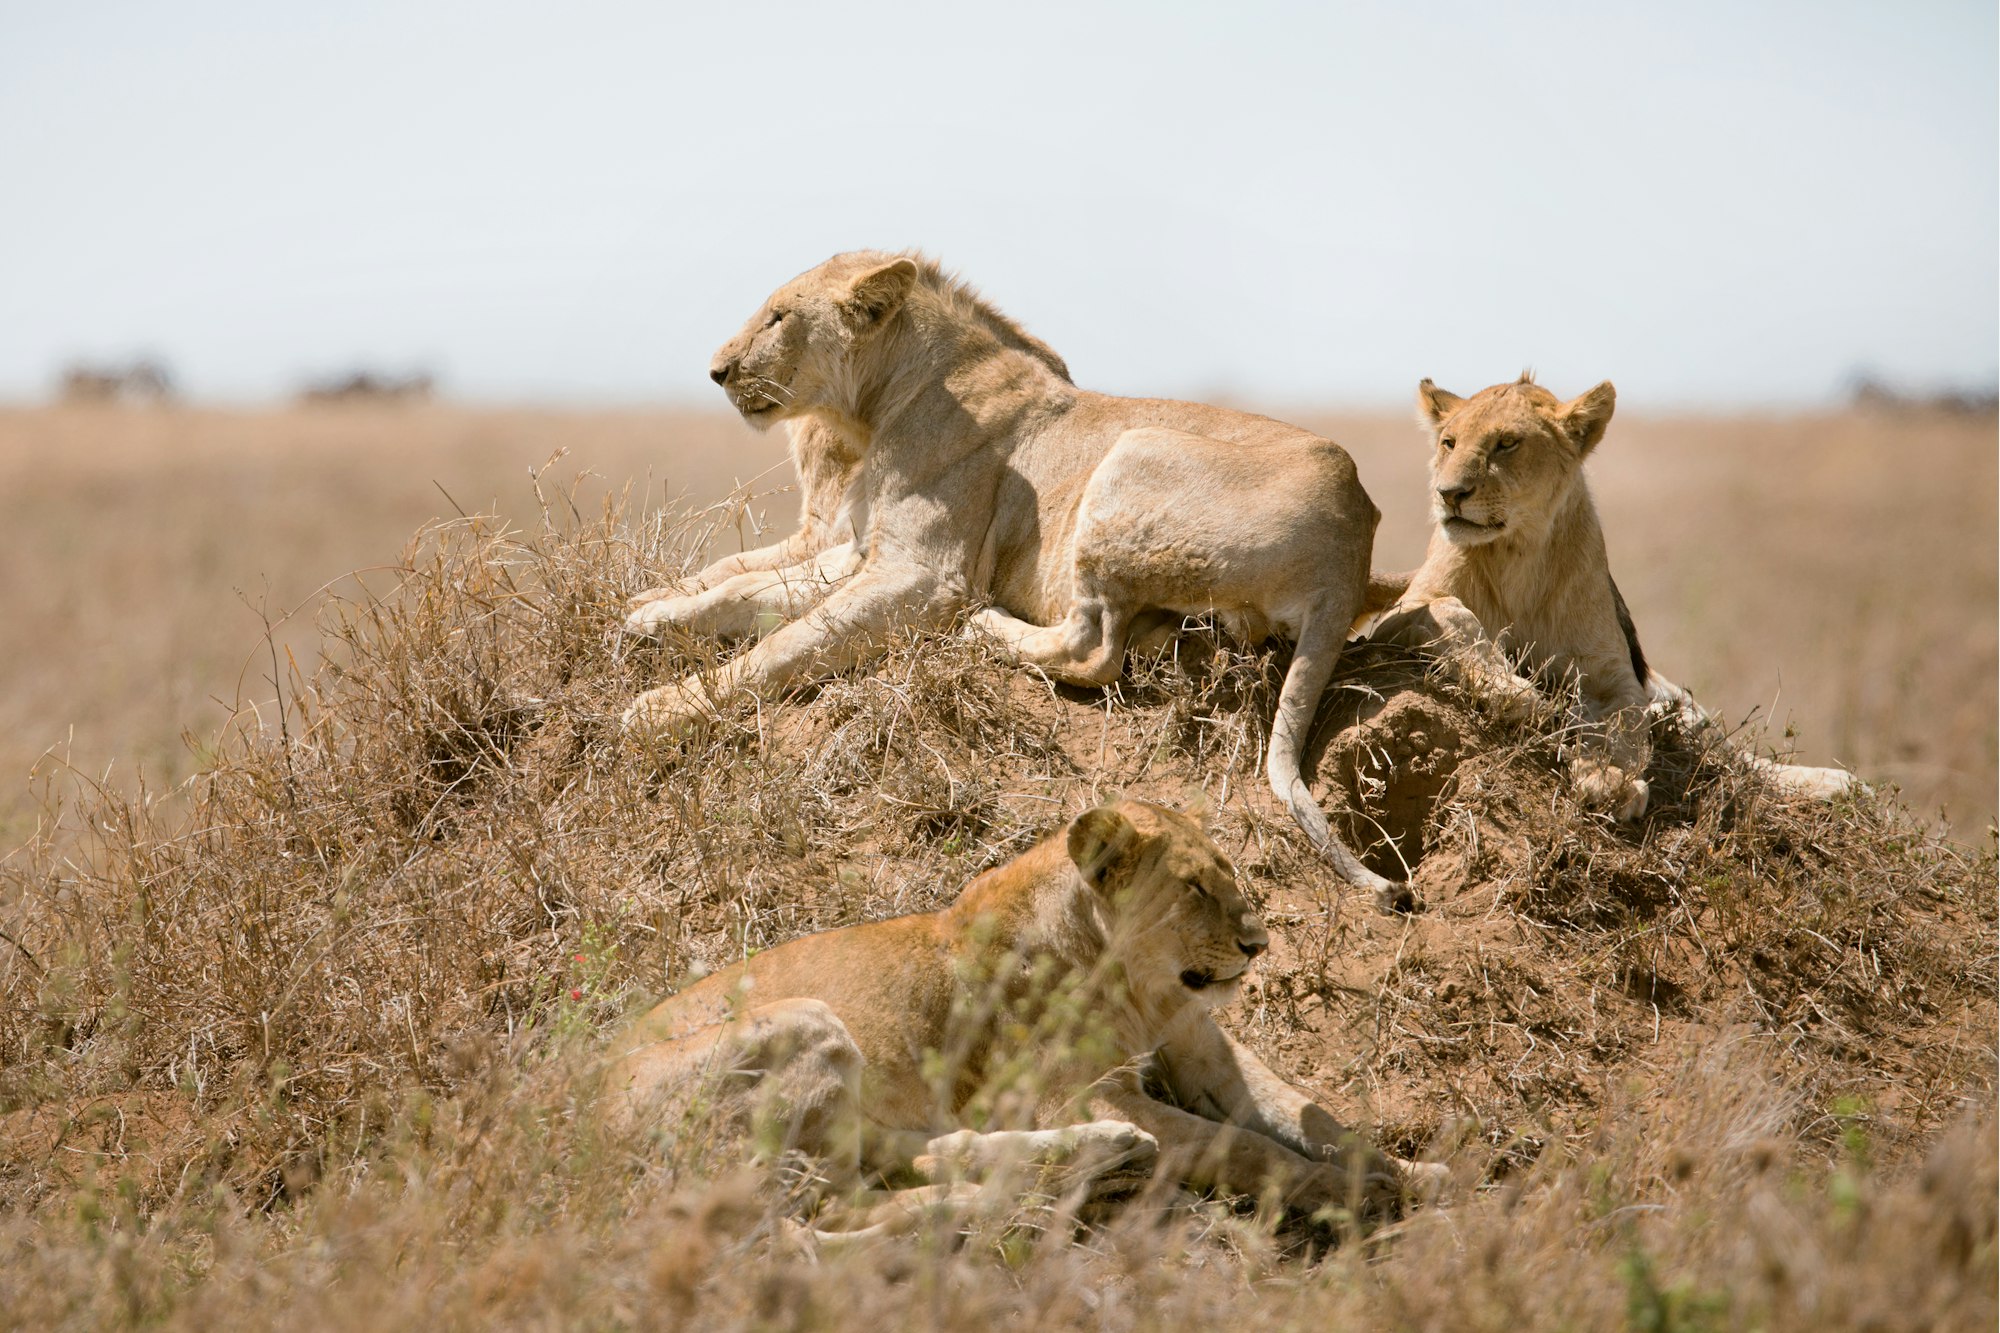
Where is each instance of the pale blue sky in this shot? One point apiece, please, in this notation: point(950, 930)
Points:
point(1713, 204)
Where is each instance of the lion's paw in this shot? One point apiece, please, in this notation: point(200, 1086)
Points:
point(1514, 699)
point(1377, 1191)
point(667, 712)
point(1425, 1182)
point(1608, 789)
point(1823, 784)
point(1103, 1146)
point(677, 588)
point(992, 627)
point(1094, 1148)
point(650, 619)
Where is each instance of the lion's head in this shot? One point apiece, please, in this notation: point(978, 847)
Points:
point(790, 357)
point(825, 341)
point(1172, 915)
point(1507, 460)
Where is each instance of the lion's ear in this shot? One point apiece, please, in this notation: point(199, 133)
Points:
point(1103, 844)
point(878, 293)
point(1197, 808)
point(1435, 404)
point(1585, 417)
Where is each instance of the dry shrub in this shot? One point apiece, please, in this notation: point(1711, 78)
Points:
point(262, 1041)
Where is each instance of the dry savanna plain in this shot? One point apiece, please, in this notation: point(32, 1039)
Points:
point(325, 872)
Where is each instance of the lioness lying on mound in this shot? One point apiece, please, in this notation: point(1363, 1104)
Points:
point(1062, 1003)
point(754, 592)
point(987, 477)
point(1517, 573)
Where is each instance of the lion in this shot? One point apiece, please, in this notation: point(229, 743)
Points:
point(755, 591)
point(1516, 576)
point(1067, 519)
point(1063, 1004)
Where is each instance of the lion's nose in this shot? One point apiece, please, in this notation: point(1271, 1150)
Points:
point(720, 371)
point(1253, 939)
point(1455, 495)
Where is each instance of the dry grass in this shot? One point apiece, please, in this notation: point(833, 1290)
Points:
point(142, 547)
point(297, 1045)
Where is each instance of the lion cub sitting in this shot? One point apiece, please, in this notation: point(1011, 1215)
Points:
point(1061, 1004)
point(1517, 573)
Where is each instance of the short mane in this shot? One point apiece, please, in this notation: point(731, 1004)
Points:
point(965, 301)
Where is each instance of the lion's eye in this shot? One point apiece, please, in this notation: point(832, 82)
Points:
point(1445, 442)
point(1504, 446)
point(772, 322)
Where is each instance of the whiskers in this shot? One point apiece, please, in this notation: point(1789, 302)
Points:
point(758, 392)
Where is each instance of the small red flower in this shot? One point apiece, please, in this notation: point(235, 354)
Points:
point(576, 994)
point(581, 959)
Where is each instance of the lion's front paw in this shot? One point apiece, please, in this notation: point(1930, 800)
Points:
point(1514, 699)
point(676, 588)
point(649, 619)
point(1106, 1147)
point(667, 712)
point(1608, 789)
point(1094, 1148)
point(1425, 1182)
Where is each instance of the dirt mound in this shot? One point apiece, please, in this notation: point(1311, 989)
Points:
point(1392, 759)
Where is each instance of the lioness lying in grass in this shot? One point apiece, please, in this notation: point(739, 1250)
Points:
point(1061, 1005)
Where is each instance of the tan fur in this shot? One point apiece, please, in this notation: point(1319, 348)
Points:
point(987, 477)
point(1517, 575)
point(788, 577)
point(1130, 919)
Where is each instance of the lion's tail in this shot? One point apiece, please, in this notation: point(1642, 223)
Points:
point(1320, 642)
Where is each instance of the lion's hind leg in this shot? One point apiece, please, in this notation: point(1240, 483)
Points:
point(1087, 647)
point(1823, 784)
point(788, 1073)
point(1668, 700)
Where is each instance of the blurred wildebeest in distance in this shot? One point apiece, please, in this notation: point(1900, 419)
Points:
point(142, 380)
point(368, 386)
point(1871, 393)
